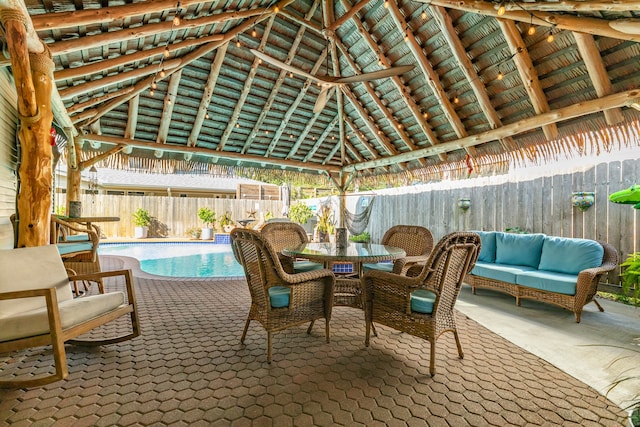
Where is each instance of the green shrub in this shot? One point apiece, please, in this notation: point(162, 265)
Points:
point(207, 216)
point(141, 218)
point(361, 238)
point(300, 212)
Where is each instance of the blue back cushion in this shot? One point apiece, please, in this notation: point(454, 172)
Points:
point(570, 256)
point(519, 249)
point(488, 248)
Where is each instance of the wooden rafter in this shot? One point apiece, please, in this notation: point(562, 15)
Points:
point(350, 13)
point(576, 6)
point(80, 106)
point(594, 26)
point(209, 87)
point(132, 118)
point(167, 110)
point(448, 31)
point(528, 73)
point(597, 72)
point(246, 90)
point(303, 135)
point(576, 110)
point(294, 106)
point(358, 133)
point(323, 137)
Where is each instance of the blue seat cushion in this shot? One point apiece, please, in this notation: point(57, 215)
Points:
point(380, 266)
point(76, 238)
point(305, 266)
point(502, 272)
point(551, 281)
point(279, 296)
point(422, 301)
point(570, 256)
point(519, 249)
point(69, 248)
point(488, 248)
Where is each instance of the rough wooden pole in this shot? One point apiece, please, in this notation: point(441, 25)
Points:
point(33, 74)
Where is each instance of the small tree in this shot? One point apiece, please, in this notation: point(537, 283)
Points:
point(207, 216)
point(300, 212)
point(141, 218)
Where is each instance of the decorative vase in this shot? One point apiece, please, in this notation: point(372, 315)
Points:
point(464, 204)
point(207, 233)
point(583, 200)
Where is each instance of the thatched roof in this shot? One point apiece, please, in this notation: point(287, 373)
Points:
point(483, 91)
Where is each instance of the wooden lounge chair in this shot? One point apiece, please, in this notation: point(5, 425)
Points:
point(284, 234)
point(37, 308)
point(423, 305)
point(280, 300)
point(417, 242)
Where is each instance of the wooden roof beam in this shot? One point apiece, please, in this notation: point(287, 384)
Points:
point(167, 110)
point(104, 82)
point(598, 73)
point(528, 73)
point(76, 107)
point(350, 13)
point(203, 108)
point(303, 135)
point(246, 89)
point(397, 127)
point(358, 133)
point(566, 113)
point(132, 118)
point(594, 26)
point(294, 106)
point(576, 6)
point(208, 152)
point(322, 138)
point(278, 83)
point(430, 75)
point(448, 31)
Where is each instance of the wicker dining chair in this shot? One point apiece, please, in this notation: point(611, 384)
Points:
point(417, 242)
point(280, 300)
point(422, 305)
point(282, 235)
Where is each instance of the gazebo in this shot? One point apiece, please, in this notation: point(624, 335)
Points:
point(347, 90)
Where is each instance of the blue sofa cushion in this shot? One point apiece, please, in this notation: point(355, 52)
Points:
point(551, 281)
point(279, 296)
point(488, 248)
point(502, 272)
point(422, 301)
point(519, 249)
point(570, 256)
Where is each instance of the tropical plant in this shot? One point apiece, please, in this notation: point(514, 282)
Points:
point(268, 215)
point(630, 273)
point(207, 216)
point(193, 232)
point(364, 237)
point(325, 220)
point(141, 218)
point(300, 212)
point(225, 219)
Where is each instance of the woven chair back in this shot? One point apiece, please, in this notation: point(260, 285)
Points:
point(284, 234)
point(414, 239)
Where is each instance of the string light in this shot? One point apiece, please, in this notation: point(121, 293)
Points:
point(550, 37)
point(456, 99)
point(532, 30)
point(502, 9)
point(176, 19)
point(151, 92)
point(276, 9)
point(423, 15)
point(425, 115)
point(206, 116)
point(406, 38)
point(254, 33)
point(500, 75)
point(166, 52)
point(154, 84)
point(162, 73)
point(386, 4)
point(237, 42)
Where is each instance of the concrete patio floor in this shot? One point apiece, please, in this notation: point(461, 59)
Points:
point(189, 368)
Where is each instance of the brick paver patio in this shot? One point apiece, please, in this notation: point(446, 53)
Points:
point(189, 368)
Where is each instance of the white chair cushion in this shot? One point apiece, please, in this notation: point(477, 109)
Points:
point(72, 312)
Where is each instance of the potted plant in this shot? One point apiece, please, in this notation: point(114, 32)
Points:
point(302, 213)
point(226, 223)
point(208, 217)
point(141, 220)
point(325, 226)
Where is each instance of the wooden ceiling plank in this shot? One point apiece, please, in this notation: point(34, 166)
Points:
point(169, 103)
point(208, 152)
point(528, 73)
point(293, 107)
point(566, 113)
point(432, 78)
point(104, 82)
point(598, 73)
point(278, 83)
point(106, 15)
point(209, 87)
point(594, 26)
point(80, 106)
point(322, 138)
point(303, 135)
point(132, 118)
point(247, 88)
point(358, 133)
point(331, 154)
point(448, 31)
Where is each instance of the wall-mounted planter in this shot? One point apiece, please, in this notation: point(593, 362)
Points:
point(583, 200)
point(464, 204)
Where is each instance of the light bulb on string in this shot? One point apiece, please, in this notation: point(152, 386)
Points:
point(151, 92)
point(154, 84)
point(502, 9)
point(500, 75)
point(550, 37)
point(456, 99)
point(162, 73)
point(406, 38)
point(166, 52)
point(532, 30)
point(237, 42)
point(423, 15)
point(176, 20)
point(386, 4)
point(254, 33)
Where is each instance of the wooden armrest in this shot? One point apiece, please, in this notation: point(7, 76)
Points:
point(128, 278)
point(29, 293)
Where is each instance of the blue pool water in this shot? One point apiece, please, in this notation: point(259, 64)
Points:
point(179, 259)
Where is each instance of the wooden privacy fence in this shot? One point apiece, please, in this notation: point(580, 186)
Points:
point(171, 216)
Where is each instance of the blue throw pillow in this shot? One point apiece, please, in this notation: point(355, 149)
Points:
point(570, 256)
point(488, 249)
point(279, 296)
point(519, 249)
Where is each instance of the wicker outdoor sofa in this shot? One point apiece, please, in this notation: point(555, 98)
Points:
point(557, 270)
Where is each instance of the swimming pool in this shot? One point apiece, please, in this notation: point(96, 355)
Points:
point(180, 259)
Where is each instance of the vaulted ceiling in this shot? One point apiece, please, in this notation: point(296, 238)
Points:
point(485, 89)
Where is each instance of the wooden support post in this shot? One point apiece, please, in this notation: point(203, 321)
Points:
point(33, 74)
